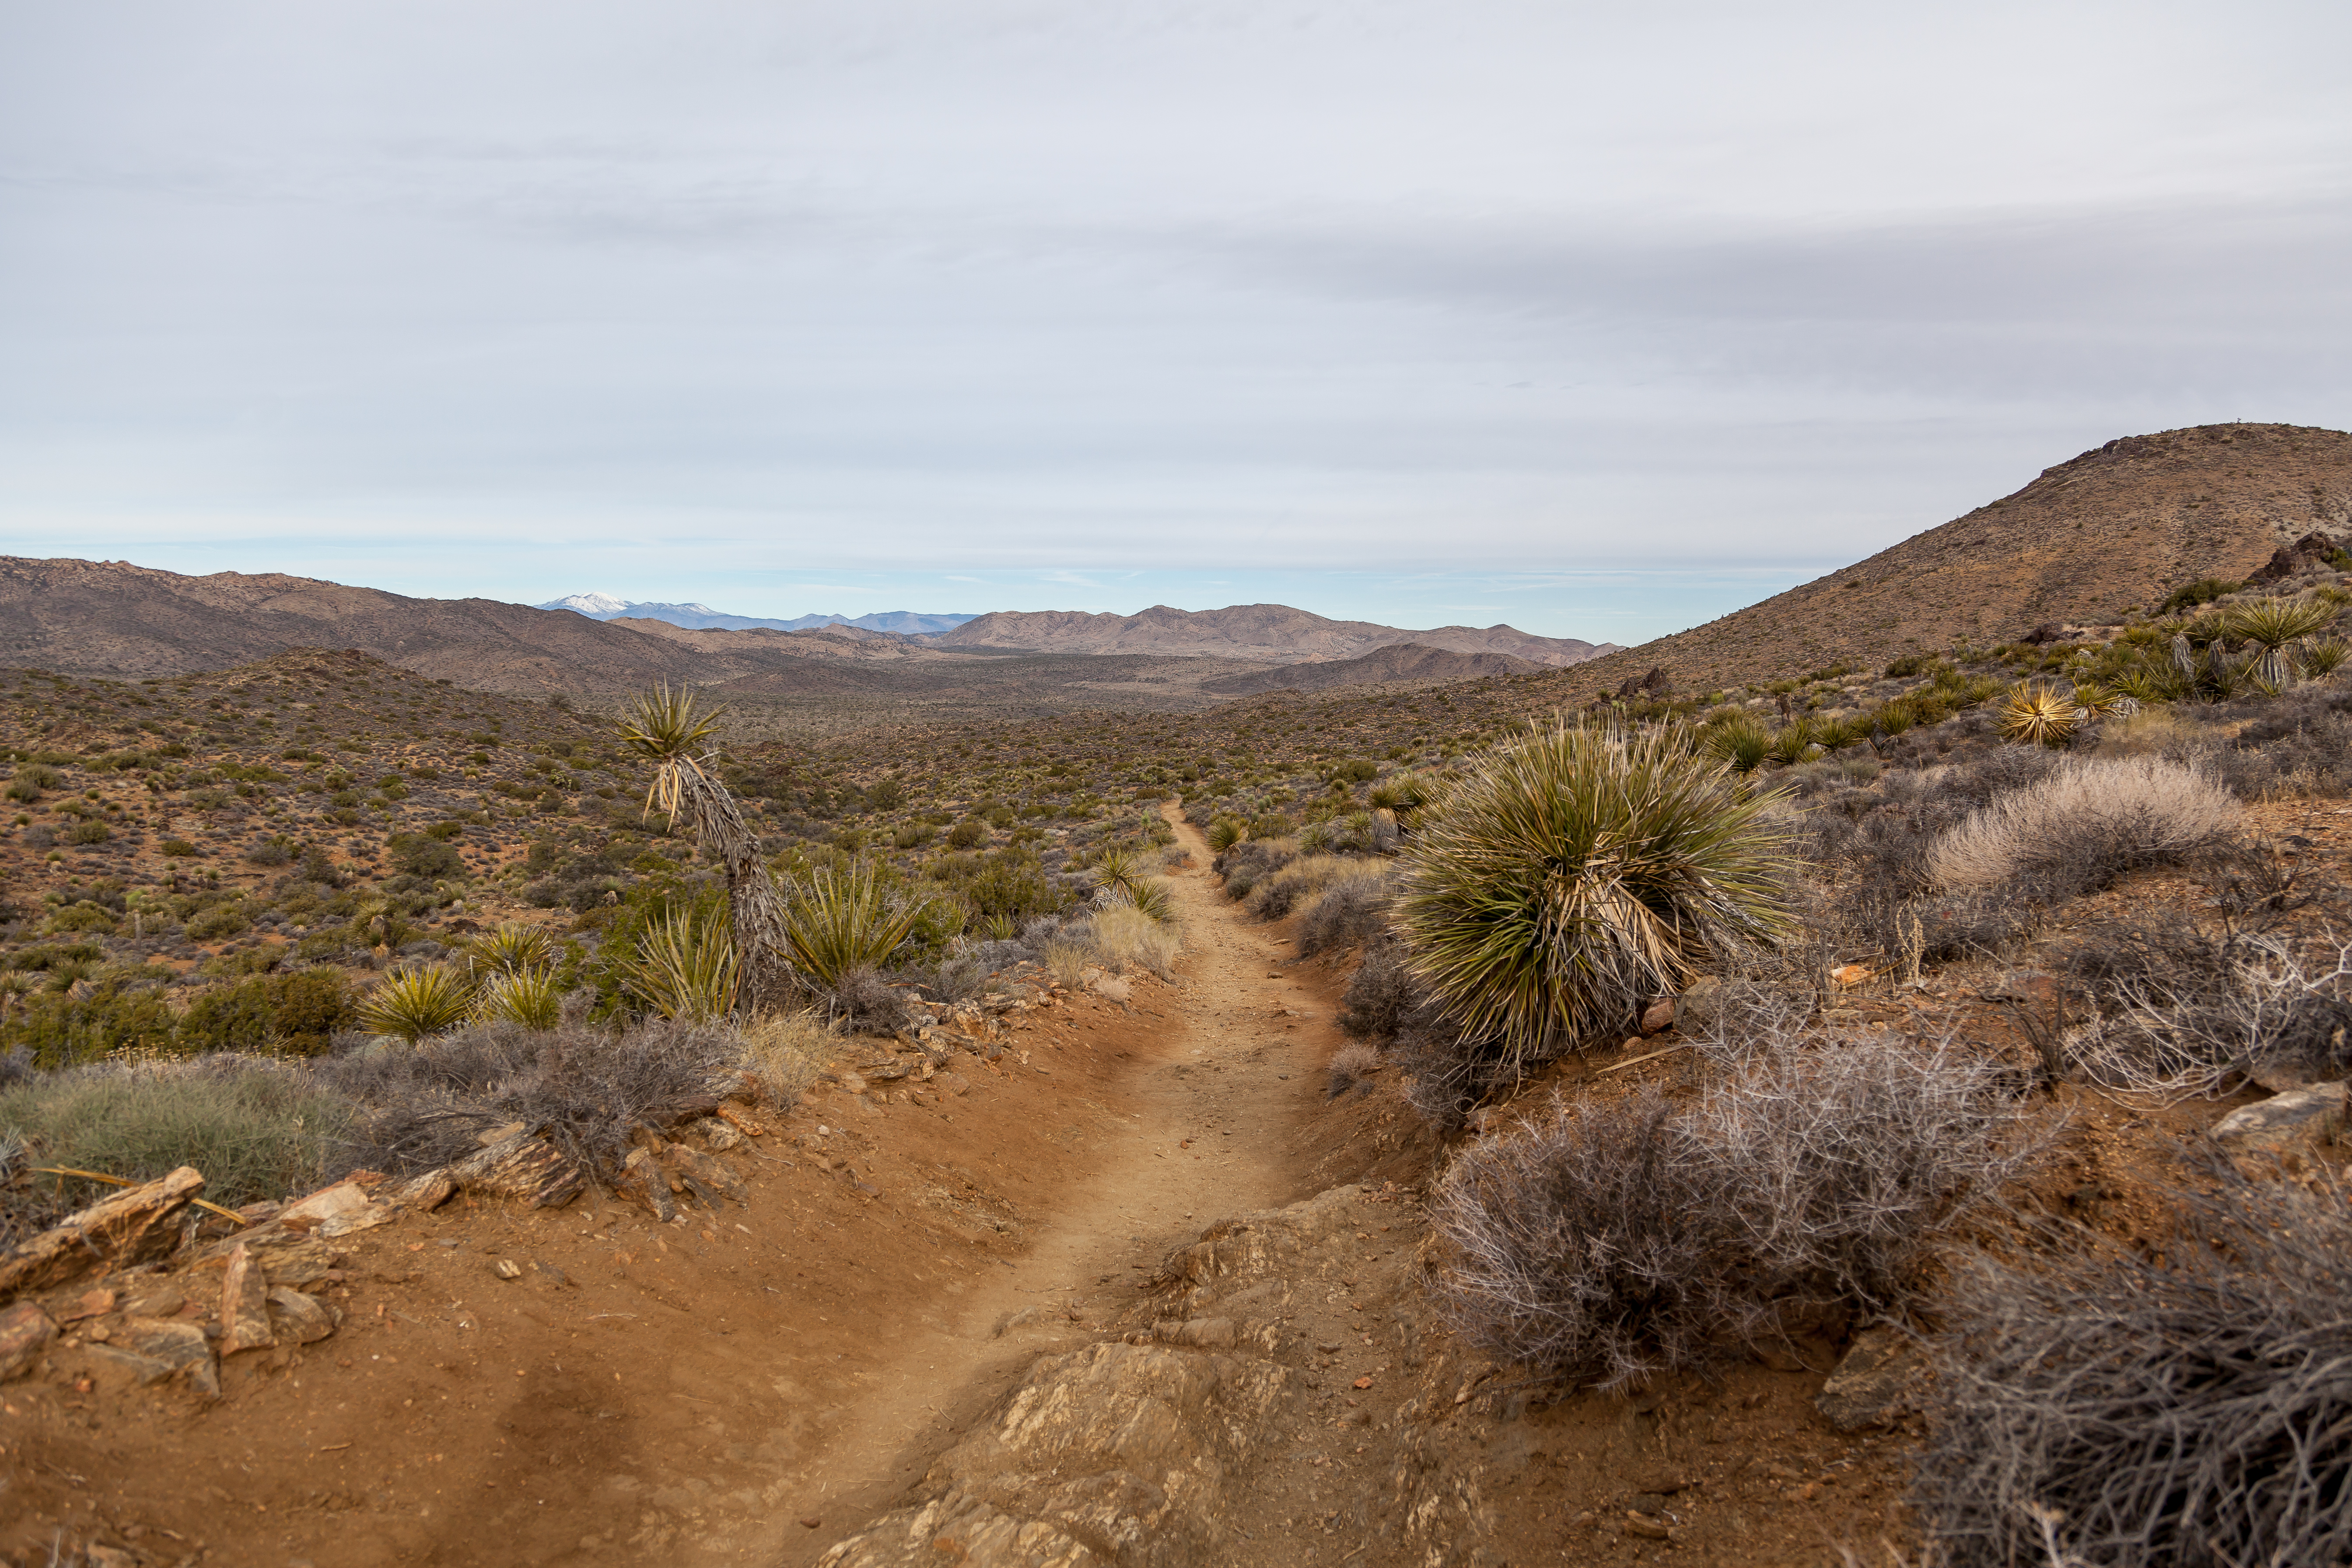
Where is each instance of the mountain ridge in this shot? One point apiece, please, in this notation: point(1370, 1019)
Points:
point(702, 618)
point(1274, 633)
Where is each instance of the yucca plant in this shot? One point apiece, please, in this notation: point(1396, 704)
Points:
point(2270, 625)
point(1148, 895)
point(2324, 655)
point(2037, 713)
point(1793, 741)
point(669, 728)
point(1897, 715)
point(1226, 832)
point(686, 968)
point(527, 996)
point(1740, 742)
point(837, 921)
point(1580, 873)
point(415, 1002)
point(510, 948)
point(2097, 699)
point(1116, 873)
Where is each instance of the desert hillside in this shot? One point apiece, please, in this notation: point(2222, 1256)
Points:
point(1271, 632)
point(2110, 532)
point(1406, 662)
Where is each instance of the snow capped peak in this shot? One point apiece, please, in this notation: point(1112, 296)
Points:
point(588, 604)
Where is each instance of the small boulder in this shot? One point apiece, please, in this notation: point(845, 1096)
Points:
point(245, 1304)
point(1700, 1005)
point(299, 1319)
point(2300, 1116)
point(1878, 1382)
point(1658, 1015)
point(25, 1333)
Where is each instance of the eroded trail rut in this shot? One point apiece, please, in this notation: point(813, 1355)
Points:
point(1210, 1113)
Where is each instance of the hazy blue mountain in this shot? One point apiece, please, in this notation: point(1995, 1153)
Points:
point(702, 618)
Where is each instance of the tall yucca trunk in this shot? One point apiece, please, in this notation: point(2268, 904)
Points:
point(755, 907)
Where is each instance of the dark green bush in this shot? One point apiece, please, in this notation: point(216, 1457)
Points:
point(62, 1030)
point(300, 1012)
point(422, 854)
point(2203, 591)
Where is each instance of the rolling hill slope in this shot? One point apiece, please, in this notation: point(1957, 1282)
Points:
point(2110, 530)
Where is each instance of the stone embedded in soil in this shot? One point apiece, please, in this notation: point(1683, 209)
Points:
point(245, 1304)
point(300, 1319)
point(25, 1333)
point(129, 1227)
point(1658, 1015)
point(2300, 1116)
point(1879, 1381)
point(152, 1349)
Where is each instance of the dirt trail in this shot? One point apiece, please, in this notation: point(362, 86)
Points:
point(585, 1385)
point(1212, 1131)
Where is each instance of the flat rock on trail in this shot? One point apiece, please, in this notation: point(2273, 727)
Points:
point(695, 1393)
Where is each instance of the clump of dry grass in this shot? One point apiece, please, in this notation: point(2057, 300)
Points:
point(2187, 1405)
point(1122, 934)
point(2093, 818)
point(787, 1051)
point(1352, 907)
point(1275, 895)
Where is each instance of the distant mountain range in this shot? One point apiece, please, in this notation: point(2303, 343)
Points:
point(1273, 633)
point(702, 618)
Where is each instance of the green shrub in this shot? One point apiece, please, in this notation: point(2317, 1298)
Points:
point(84, 916)
point(2189, 596)
point(61, 1030)
point(686, 968)
point(422, 855)
point(299, 1013)
point(178, 848)
point(1580, 873)
point(253, 1132)
point(222, 920)
point(969, 834)
point(89, 831)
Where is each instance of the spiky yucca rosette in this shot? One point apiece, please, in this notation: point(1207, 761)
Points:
point(1578, 873)
point(2040, 714)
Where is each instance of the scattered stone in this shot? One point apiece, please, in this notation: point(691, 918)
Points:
point(522, 1166)
point(91, 1304)
point(1645, 1527)
point(1700, 1004)
point(245, 1304)
point(1201, 1334)
point(1658, 1015)
point(154, 1349)
point(343, 1197)
point(163, 1301)
point(643, 1180)
point(132, 1226)
point(718, 1134)
point(298, 1318)
point(424, 1193)
point(1851, 974)
point(742, 1121)
point(710, 1179)
point(2312, 1115)
point(506, 1268)
point(25, 1333)
point(1880, 1381)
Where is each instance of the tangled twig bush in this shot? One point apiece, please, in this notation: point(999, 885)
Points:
point(1580, 873)
point(2093, 819)
point(1352, 907)
point(2192, 1408)
point(1616, 1241)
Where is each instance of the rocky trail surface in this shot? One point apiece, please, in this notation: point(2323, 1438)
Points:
point(1119, 1284)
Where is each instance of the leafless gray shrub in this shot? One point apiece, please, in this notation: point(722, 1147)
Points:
point(1840, 1165)
point(1615, 1241)
point(586, 1088)
point(1348, 913)
point(2190, 1407)
point(2177, 1010)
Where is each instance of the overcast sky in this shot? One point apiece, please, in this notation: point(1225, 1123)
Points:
point(1599, 320)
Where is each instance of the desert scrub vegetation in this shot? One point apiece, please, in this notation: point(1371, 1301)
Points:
point(255, 1129)
point(1615, 1240)
point(2184, 1404)
point(2091, 818)
point(1578, 873)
